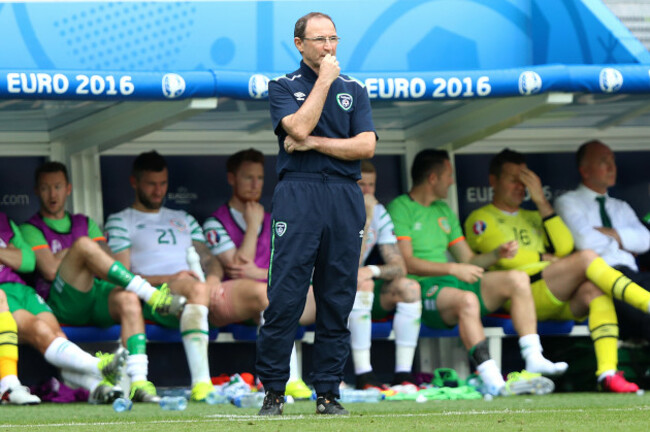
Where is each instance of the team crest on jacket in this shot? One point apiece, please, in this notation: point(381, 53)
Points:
point(280, 228)
point(344, 100)
point(479, 227)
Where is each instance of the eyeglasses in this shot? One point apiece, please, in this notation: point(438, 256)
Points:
point(320, 40)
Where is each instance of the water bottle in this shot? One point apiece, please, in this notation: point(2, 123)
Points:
point(249, 400)
point(175, 391)
point(236, 387)
point(476, 382)
point(369, 395)
point(194, 262)
point(173, 403)
point(122, 404)
point(214, 398)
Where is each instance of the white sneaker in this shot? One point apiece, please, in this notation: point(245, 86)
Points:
point(19, 395)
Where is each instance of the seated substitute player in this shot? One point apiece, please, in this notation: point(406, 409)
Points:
point(565, 285)
point(11, 391)
point(37, 325)
point(239, 235)
point(608, 226)
point(70, 251)
point(460, 292)
point(382, 290)
point(152, 241)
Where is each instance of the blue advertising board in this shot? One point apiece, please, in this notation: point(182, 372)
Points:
point(17, 197)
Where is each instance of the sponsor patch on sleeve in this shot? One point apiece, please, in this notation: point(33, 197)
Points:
point(212, 237)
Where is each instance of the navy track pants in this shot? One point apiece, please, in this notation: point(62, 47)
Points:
point(318, 222)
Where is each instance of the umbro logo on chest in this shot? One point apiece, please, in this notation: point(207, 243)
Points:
point(300, 96)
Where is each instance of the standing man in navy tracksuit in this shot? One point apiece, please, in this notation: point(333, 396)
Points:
point(324, 127)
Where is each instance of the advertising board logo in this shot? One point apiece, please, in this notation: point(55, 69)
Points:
point(610, 80)
point(182, 196)
point(258, 86)
point(529, 83)
point(173, 85)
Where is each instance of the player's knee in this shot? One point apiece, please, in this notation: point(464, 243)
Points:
point(128, 304)
point(83, 244)
point(262, 299)
point(586, 257)
point(588, 292)
point(366, 285)
point(197, 293)
point(408, 290)
point(41, 333)
point(468, 305)
point(520, 282)
point(40, 328)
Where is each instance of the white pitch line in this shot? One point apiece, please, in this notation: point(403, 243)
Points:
point(230, 417)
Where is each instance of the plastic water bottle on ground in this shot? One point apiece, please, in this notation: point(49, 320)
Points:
point(352, 395)
point(249, 400)
point(175, 391)
point(215, 397)
point(122, 404)
point(236, 387)
point(173, 403)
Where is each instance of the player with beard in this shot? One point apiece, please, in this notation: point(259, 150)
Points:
point(71, 255)
point(152, 240)
point(565, 284)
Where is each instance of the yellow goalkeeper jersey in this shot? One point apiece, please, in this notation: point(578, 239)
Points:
point(488, 227)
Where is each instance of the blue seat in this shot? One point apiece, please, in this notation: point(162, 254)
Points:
point(80, 334)
point(428, 332)
point(248, 333)
point(241, 332)
point(381, 329)
point(156, 333)
point(544, 328)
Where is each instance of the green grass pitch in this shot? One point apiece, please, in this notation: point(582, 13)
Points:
point(557, 412)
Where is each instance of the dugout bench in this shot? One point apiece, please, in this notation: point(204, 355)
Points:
point(437, 348)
